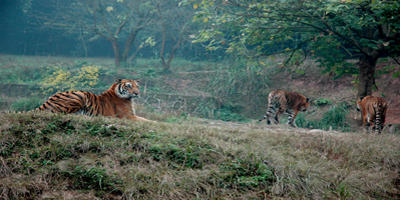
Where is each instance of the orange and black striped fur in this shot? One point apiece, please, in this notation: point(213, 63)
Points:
point(117, 101)
point(280, 101)
point(373, 109)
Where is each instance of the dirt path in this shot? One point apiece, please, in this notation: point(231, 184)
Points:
point(274, 128)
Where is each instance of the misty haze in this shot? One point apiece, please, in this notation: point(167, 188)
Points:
point(199, 99)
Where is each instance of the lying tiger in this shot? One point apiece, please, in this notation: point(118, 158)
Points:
point(373, 109)
point(280, 101)
point(117, 101)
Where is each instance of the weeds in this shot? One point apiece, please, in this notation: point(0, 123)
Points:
point(240, 80)
point(27, 104)
point(322, 101)
point(247, 173)
point(335, 118)
point(93, 178)
point(225, 114)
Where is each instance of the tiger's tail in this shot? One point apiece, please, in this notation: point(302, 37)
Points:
point(379, 106)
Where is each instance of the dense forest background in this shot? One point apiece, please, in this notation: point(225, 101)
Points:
point(206, 68)
point(27, 31)
point(330, 32)
point(23, 34)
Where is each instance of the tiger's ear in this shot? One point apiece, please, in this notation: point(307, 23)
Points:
point(137, 80)
point(361, 98)
point(308, 99)
point(118, 80)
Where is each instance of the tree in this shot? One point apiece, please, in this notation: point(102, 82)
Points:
point(332, 30)
point(175, 23)
point(112, 20)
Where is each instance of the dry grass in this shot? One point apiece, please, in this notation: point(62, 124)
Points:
point(71, 156)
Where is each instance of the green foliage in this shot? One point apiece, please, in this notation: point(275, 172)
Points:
point(93, 178)
point(329, 54)
point(246, 173)
point(18, 69)
point(322, 101)
point(97, 129)
point(27, 104)
point(176, 119)
point(187, 157)
point(80, 63)
point(226, 114)
point(336, 117)
point(237, 86)
point(326, 30)
point(243, 79)
point(182, 154)
point(57, 126)
point(35, 146)
point(343, 191)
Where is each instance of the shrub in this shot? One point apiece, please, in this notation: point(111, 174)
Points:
point(63, 80)
point(225, 114)
point(322, 101)
point(335, 117)
point(245, 79)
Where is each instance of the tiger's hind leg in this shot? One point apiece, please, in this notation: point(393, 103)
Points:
point(270, 115)
point(368, 121)
point(267, 116)
point(367, 127)
point(279, 112)
point(291, 117)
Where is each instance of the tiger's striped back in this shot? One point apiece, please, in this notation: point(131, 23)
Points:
point(80, 102)
point(373, 110)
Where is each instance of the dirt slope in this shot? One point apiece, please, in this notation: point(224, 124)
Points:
point(315, 84)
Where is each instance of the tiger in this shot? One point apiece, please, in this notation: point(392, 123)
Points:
point(280, 101)
point(116, 102)
point(373, 109)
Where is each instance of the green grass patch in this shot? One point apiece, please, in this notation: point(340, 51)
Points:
point(94, 178)
point(225, 114)
point(336, 117)
point(27, 104)
point(247, 173)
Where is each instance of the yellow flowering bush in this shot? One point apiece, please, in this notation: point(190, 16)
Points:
point(61, 80)
point(87, 75)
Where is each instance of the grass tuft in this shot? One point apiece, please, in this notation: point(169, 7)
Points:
point(27, 104)
point(337, 118)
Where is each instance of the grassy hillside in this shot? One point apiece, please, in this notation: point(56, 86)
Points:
point(44, 155)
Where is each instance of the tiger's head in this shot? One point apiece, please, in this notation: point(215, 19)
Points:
point(304, 104)
point(127, 89)
point(358, 108)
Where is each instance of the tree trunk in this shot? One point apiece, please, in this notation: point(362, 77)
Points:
point(128, 45)
point(167, 64)
point(366, 73)
point(162, 48)
point(117, 52)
